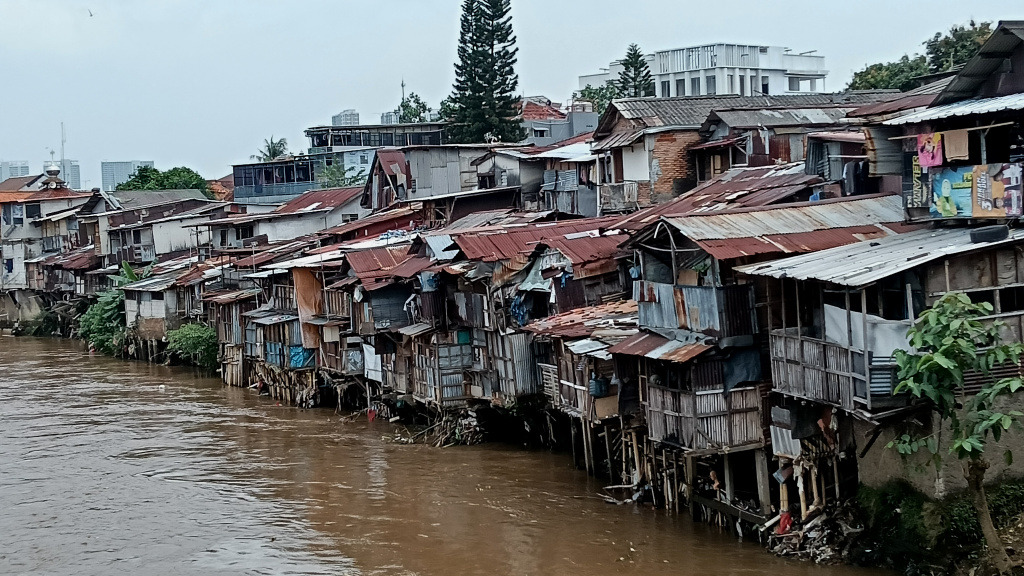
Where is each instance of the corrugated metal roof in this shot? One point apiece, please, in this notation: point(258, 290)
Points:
point(411, 267)
point(570, 151)
point(776, 117)
point(656, 347)
point(275, 319)
point(790, 219)
point(319, 200)
point(855, 137)
point(916, 98)
point(415, 329)
point(589, 347)
point(376, 265)
point(154, 284)
point(962, 108)
point(639, 344)
point(439, 246)
point(582, 322)
point(1006, 38)
point(232, 296)
point(492, 244)
point(724, 142)
point(616, 139)
point(797, 243)
point(863, 263)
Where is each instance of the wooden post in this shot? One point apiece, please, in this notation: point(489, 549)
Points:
point(608, 453)
point(675, 480)
point(572, 431)
point(814, 487)
point(728, 479)
point(763, 491)
point(799, 472)
point(639, 471)
point(783, 491)
point(835, 474)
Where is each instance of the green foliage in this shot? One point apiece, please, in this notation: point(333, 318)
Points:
point(337, 175)
point(194, 343)
point(900, 74)
point(956, 47)
point(942, 52)
point(600, 97)
point(412, 109)
point(635, 79)
point(483, 105)
point(103, 324)
point(271, 149)
point(949, 341)
point(180, 178)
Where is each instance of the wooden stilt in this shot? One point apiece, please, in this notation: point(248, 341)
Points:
point(688, 474)
point(728, 479)
point(835, 474)
point(763, 492)
point(803, 493)
point(572, 432)
point(783, 492)
point(814, 487)
point(608, 452)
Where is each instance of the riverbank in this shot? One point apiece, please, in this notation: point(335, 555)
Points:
point(200, 478)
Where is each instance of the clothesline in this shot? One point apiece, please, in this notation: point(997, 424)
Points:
point(964, 129)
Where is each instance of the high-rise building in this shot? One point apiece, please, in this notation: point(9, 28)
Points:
point(345, 118)
point(717, 69)
point(13, 169)
point(389, 118)
point(114, 173)
point(70, 172)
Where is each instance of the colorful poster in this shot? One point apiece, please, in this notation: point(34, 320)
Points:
point(929, 149)
point(915, 182)
point(997, 191)
point(952, 192)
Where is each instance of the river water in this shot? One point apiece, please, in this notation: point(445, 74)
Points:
point(111, 467)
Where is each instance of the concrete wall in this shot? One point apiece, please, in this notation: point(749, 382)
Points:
point(635, 165)
point(19, 306)
point(174, 235)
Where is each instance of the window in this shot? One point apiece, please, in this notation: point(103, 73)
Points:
point(17, 214)
point(136, 236)
point(764, 85)
point(762, 49)
point(364, 159)
point(158, 295)
point(224, 237)
point(349, 218)
point(6, 213)
point(32, 210)
point(8, 265)
point(245, 232)
point(387, 139)
point(743, 85)
point(540, 133)
point(732, 86)
point(794, 84)
point(666, 88)
point(712, 85)
point(695, 86)
point(680, 87)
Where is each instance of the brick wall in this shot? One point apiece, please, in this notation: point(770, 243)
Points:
point(672, 166)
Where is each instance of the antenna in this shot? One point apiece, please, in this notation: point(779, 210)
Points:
point(63, 139)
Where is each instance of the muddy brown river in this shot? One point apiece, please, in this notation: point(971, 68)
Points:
point(109, 467)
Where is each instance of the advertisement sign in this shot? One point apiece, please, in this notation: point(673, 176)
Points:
point(915, 182)
point(985, 191)
point(952, 192)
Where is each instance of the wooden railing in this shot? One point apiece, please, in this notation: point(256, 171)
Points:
point(818, 370)
point(706, 419)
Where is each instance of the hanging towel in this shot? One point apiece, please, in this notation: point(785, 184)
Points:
point(955, 145)
point(929, 149)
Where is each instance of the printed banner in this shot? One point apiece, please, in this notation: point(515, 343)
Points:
point(929, 149)
point(915, 182)
point(985, 191)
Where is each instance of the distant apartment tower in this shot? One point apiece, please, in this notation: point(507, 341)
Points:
point(345, 118)
point(727, 69)
point(70, 172)
point(114, 173)
point(389, 118)
point(13, 169)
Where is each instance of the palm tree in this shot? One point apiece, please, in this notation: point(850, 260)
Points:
point(271, 149)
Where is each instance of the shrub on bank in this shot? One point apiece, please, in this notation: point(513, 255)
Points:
point(103, 325)
point(194, 343)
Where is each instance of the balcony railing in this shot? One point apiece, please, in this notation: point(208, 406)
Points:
point(620, 197)
point(705, 419)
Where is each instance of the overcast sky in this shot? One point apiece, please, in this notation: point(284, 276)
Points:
point(201, 83)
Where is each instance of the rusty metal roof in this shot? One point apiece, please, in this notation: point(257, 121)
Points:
point(232, 296)
point(853, 137)
point(656, 347)
point(373, 266)
point(411, 267)
point(319, 200)
point(492, 244)
point(583, 322)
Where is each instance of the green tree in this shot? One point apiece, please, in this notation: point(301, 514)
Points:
point(949, 340)
point(412, 109)
point(942, 52)
point(956, 47)
point(901, 75)
point(635, 79)
point(195, 344)
point(483, 105)
point(271, 149)
point(600, 97)
point(180, 178)
point(337, 175)
point(103, 324)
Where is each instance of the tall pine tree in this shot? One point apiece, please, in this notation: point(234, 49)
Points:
point(483, 104)
point(635, 79)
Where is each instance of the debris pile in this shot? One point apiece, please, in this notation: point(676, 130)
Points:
point(826, 537)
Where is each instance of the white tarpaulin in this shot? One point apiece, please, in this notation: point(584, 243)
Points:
point(371, 364)
point(884, 336)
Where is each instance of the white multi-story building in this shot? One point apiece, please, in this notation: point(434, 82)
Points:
point(114, 173)
point(13, 169)
point(345, 118)
point(727, 69)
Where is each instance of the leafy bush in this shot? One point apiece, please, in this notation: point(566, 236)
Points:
point(103, 324)
point(194, 343)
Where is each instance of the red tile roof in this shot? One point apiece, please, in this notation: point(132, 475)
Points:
point(320, 199)
point(535, 111)
point(18, 182)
